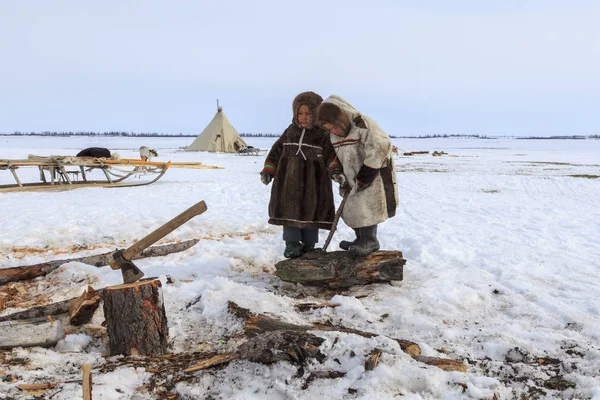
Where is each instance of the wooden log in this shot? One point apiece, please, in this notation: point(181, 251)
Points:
point(136, 319)
point(270, 347)
point(99, 260)
point(83, 308)
point(256, 324)
point(87, 381)
point(57, 308)
point(339, 269)
point(2, 301)
point(30, 333)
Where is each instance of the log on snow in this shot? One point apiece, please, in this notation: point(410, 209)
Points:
point(256, 324)
point(99, 260)
point(339, 269)
point(30, 333)
point(136, 319)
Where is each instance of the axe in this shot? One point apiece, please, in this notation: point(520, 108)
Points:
point(336, 219)
point(121, 259)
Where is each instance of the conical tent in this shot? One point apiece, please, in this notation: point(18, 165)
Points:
point(219, 135)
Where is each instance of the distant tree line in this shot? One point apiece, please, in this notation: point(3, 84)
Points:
point(443, 136)
point(570, 137)
point(260, 134)
point(125, 134)
point(245, 134)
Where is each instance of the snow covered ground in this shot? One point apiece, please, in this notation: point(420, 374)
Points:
point(501, 238)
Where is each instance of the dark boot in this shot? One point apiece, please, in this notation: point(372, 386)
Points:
point(307, 247)
point(292, 250)
point(367, 243)
point(345, 245)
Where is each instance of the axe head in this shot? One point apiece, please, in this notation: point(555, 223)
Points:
point(130, 272)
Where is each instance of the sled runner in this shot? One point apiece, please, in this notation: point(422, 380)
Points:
point(68, 172)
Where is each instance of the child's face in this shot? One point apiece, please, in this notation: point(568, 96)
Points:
point(304, 116)
point(334, 130)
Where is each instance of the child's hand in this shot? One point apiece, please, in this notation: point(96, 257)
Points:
point(339, 178)
point(266, 178)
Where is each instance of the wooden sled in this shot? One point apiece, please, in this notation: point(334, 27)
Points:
point(67, 172)
point(251, 151)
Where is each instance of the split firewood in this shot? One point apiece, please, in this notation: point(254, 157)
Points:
point(339, 269)
point(87, 381)
point(372, 360)
point(444, 363)
point(30, 333)
point(216, 360)
point(256, 324)
point(36, 386)
point(82, 309)
point(136, 319)
point(100, 260)
point(2, 302)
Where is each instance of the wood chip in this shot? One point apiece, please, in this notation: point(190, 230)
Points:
point(36, 386)
point(216, 360)
point(372, 360)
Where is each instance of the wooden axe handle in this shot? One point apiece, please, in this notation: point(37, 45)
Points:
point(164, 230)
point(336, 219)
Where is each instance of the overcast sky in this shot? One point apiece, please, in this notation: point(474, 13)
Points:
point(512, 67)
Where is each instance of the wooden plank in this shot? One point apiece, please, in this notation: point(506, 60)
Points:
point(87, 381)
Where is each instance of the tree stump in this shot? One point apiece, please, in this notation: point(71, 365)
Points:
point(339, 269)
point(136, 319)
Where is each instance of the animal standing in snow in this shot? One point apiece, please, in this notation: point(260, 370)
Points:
point(146, 153)
point(365, 153)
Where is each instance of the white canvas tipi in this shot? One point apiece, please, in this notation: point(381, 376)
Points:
point(219, 135)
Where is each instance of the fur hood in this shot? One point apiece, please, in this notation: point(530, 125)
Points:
point(312, 100)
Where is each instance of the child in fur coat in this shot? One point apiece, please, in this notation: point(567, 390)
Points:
point(300, 164)
point(364, 151)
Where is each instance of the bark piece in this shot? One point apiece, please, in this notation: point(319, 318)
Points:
point(136, 319)
point(339, 269)
point(82, 309)
point(312, 306)
point(216, 360)
point(99, 260)
point(30, 333)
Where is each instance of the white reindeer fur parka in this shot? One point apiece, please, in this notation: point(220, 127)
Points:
point(366, 145)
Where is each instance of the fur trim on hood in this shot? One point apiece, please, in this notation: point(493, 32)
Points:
point(312, 100)
point(330, 113)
